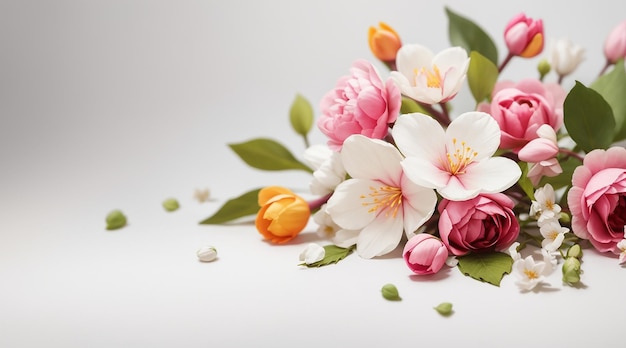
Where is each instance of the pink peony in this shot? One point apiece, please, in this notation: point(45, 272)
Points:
point(597, 199)
point(483, 223)
point(425, 254)
point(359, 104)
point(520, 109)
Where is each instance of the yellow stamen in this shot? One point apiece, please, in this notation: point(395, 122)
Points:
point(382, 198)
point(433, 78)
point(460, 158)
point(531, 274)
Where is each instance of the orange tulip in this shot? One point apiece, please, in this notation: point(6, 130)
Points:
point(283, 214)
point(384, 42)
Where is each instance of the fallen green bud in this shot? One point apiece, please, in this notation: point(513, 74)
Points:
point(571, 271)
point(171, 204)
point(390, 292)
point(115, 219)
point(444, 308)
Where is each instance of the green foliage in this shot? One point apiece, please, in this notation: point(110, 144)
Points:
point(611, 87)
point(115, 220)
point(588, 118)
point(482, 75)
point(301, 115)
point(244, 205)
point(486, 267)
point(524, 182)
point(390, 292)
point(333, 254)
point(467, 34)
point(410, 106)
point(267, 154)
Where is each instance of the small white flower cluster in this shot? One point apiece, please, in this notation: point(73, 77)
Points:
point(546, 211)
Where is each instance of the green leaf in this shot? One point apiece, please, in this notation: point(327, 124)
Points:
point(301, 115)
point(390, 292)
point(333, 254)
point(467, 34)
point(444, 308)
point(410, 106)
point(524, 182)
point(611, 86)
point(267, 154)
point(244, 205)
point(588, 118)
point(486, 267)
point(482, 75)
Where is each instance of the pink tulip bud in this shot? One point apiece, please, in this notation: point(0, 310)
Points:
point(615, 44)
point(425, 254)
point(524, 36)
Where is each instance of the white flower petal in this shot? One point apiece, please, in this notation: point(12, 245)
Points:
point(373, 159)
point(346, 207)
point(419, 205)
point(478, 130)
point(491, 175)
point(425, 173)
point(419, 135)
point(380, 237)
point(346, 238)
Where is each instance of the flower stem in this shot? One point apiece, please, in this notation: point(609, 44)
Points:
point(606, 66)
point(438, 115)
point(571, 153)
point(505, 62)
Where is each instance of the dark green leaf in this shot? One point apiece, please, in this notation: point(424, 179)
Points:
point(612, 87)
point(467, 34)
point(588, 118)
point(244, 205)
point(333, 254)
point(267, 154)
point(301, 115)
point(486, 267)
point(481, 76)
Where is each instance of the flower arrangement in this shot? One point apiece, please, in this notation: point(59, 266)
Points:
point(519, 184)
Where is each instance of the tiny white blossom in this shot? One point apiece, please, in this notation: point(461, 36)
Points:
point(328, 229)
point(328, 169)
point(528, 272)
point(312, 253)
point(553, 234)
point(513, 251)
point(622, 247)
point(202, 195)
point(550, 261)
point(544, 206)
point(452, 261)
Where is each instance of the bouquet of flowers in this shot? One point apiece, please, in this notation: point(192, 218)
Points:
point(520, 183)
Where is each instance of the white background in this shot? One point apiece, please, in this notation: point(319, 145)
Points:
point(120, 104)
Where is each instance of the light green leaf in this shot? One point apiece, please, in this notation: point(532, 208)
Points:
point(482, 75)
point(588, 118)
point(467, 34)
point(244, 205)
point(333, 254)
point(612, 87)
point(301, 115)
point(444, 308)
point(267, 154)
point(410, 106)
point(486, 267)
point(524, 181)
point(390, 292)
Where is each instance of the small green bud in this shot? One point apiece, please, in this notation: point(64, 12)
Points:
point(564, 217)
point(171, 204)
point(444, 308)
point(571, 271)
point(575, 251)
point(390, 292)
point(115, 219)
point(544, 68)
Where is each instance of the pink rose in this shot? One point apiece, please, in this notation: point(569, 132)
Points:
point(425, 254)
point(484, 223)
point(360, 104)
point(520, 109)
point(597, 199)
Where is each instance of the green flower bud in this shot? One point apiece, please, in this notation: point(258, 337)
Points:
point(544, 68)
point(115, 219)
point(444, 308)
point(390, 292)
point(575, 251)
point(564, 217)
point(171, 204)
point(571, 271)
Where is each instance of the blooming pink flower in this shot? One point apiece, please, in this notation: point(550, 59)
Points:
point(359, 104)
point(524, 36)
point(540, 153)
point(615, 44)
point(425, 254)
point(520, 109)
point(483, 223)
point(597, 199)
